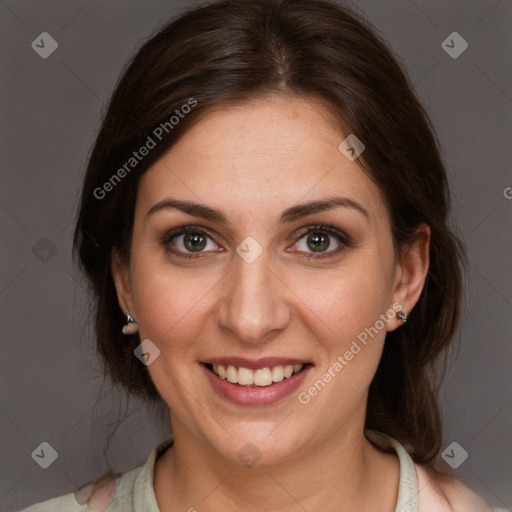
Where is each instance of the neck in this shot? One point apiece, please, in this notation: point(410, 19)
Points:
point(345, 470)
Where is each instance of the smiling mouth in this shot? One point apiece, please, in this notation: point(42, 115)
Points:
point(260, 377)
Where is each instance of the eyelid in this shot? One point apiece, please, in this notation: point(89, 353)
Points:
point(327, 228)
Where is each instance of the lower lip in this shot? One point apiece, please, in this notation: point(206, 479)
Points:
point(256, 395)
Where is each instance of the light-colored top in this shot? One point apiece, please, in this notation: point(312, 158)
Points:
point(133, 491)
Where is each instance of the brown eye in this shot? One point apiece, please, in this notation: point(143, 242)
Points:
point(186, 241)
point(318, 240)
point(194, 241)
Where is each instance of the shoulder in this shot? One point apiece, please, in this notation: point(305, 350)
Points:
point(440, 492)
point(64, 503)
point(115, 492)
point(97, 495)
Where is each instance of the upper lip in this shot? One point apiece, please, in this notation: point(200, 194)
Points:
point(255, 364)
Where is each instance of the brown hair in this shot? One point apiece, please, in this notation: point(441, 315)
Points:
point(233, 51)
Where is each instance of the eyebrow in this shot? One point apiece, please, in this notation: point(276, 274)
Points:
point(289, 215)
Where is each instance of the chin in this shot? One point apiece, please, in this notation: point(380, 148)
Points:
point(260, 447)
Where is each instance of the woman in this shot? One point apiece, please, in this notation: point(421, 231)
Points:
point(264, 226)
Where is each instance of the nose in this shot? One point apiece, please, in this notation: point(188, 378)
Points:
point(254, 306)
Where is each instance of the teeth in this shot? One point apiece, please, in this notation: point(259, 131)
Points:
point(232, 374)
point(260, 377)
point(277, 373)
point(246, 377)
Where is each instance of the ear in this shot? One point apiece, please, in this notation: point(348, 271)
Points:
point(410, 274)
point(121, 274)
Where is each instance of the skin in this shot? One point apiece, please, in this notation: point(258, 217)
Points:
point(252, 161)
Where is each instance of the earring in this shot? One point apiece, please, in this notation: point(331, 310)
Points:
point(402, 316)
point(131, 326)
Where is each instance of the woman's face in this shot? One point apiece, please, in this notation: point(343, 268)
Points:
point(255, 290)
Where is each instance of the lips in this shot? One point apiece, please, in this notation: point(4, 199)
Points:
point(255, 382)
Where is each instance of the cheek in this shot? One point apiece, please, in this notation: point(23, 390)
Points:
point(347, 302)
point(171, 306)
point(344, 314)
point(172, 312)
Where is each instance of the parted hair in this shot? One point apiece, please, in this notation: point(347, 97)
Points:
point(232, 51)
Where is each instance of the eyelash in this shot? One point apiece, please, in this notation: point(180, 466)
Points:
point(343, 238)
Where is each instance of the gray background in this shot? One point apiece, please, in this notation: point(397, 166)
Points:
point(50, 111)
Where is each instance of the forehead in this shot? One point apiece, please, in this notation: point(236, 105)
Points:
point(261, 156)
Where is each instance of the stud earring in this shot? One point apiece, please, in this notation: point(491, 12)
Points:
point(402, 316)
point(131, 326)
